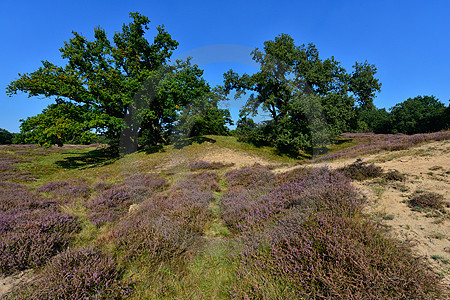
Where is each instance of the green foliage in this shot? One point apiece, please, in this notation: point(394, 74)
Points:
point(124, 89)
point(376, 120)
point(57, 124)
point(309, 100)
point(419, 115)
point(363, 84)
point(6, 137)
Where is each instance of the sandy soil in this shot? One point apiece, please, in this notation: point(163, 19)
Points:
point(7, 283)
point(427, 168)
point(239, 158)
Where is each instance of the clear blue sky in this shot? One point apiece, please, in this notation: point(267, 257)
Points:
point(408, 41)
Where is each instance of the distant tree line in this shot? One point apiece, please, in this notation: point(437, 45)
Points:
point(420, 114)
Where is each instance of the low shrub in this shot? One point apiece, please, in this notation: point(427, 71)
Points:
point(322, 256)
point(255, 176)
point(77, 274)
point(369, 143)
point(68, 189)
point(394, 175)
point(246, 208)
point(167, 225)
point(102, 186)
point(115, 200)
point(426, 200)
point(360, 170)
point(17, 197)
point(204, 180)
point(30, 238)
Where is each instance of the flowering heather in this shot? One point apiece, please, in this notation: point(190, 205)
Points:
point(30, 238)
point(114, 202)
point(18, 197)
point(330, 257)
point(158, 236)
point(372, 143)
point(307, 189)
point(23, 152)
point(201, 165)
point(77, 274)
point(244, 209)
point(360, 170)
point(256, 175)
point(31, 228)
point(204, 181)
point(7, 162)
point(149, 181)
point(68, 189)
point(102, 186)
point(166, 225)
point(9, 172)
point(110, 205)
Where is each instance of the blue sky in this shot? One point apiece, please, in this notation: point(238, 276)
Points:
point(408, 41)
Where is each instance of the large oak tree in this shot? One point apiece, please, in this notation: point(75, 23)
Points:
point(124, 89)
point(308, 99)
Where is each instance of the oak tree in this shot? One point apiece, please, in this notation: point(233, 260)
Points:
point(125, 89)
point(309, 100)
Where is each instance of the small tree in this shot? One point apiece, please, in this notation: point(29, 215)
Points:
point(6, 137)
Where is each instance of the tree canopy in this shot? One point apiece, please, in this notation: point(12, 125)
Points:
point(309, 100)
point(125, 89)
point(419, 115)
point(6, 137)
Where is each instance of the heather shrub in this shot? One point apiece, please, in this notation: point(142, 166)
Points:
point(324, 256)
point(102, 186)
point(426, 200)
point(115, 200)
point(204, 180)
point(18, 197)
point(190, 206)
point(77, 274)
point(110, 205)
point(68, 189)
point(256, 175)
point(202, 165)
point(166, 225)
point(6, 165)
point(394, 175)
point(30, 238)
point(244, 209)
point(154, 235)
point(9, 172)
point(311, 190)
point(360, 170)
point(150, 182)
point(7, 161)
